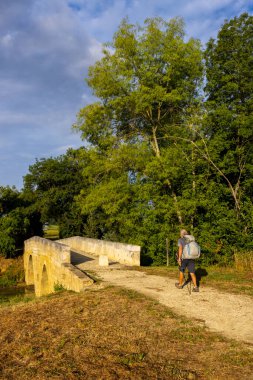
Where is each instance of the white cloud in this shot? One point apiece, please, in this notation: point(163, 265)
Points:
point(10, 117)
point(197, 7)
point(10, 87)
point(7, 40)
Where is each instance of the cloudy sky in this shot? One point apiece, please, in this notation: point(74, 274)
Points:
point(46, 47)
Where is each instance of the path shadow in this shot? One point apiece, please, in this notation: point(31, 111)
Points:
point(200, 272)
point(77, 258)
point(113, 262)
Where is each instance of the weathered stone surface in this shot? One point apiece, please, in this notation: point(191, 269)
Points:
point(47, 264)
point(103, 261)
point(127, 254)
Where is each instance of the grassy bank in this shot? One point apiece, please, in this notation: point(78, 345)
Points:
point(112, 334)
point(226, 279)
point(12, 282)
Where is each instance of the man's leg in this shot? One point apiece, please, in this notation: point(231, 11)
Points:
point(181, 278)
point(181, 275)
point(191, 268)
point(194, 280)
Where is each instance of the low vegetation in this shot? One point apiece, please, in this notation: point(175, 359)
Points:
point(11, 272)
point(112, 334)
point(244, 261)
point(51, 232)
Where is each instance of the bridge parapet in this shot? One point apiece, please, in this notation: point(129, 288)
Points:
point(127, 254)
point(48, 264)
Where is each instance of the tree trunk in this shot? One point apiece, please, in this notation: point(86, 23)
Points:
point(157, 152)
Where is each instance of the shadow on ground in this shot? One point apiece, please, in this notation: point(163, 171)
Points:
point(200, 272)
point(77, 258)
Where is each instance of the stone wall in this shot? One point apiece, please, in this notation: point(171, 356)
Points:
point(127, 254)
point(47, 264)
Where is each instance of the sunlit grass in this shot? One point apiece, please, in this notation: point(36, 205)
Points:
point(51, 232)
point(113, 333)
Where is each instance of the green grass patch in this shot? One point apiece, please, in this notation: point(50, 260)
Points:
point(51, 232)
point(19, 298)
point(58, 287)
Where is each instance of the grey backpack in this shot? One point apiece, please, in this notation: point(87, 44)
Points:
point(191, 249)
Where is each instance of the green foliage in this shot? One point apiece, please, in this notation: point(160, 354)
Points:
point(18, 222)
point(230, 111)
point(52, 185)
point(193, 166)
point(51, 232)
point(58, 287)
point(9, 199)
point(147, 76)
point(7, 244)
point(162, 153)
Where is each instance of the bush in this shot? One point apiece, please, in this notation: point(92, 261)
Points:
point(7, 245)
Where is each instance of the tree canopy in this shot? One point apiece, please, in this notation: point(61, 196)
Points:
point(168, 145)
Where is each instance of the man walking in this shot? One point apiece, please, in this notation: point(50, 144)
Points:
point(185, 263)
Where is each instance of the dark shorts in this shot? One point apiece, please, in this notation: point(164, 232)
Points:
point(189, 264)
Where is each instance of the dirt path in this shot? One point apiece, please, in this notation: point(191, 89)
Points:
point(228, 314)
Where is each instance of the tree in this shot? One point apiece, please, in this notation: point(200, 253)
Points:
point(9, 199)
point(228, 126)
point(18, 221)
point(147, 83)
point(51, 185)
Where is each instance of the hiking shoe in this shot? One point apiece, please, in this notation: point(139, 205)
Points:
point(177, 285)
point(196, 289)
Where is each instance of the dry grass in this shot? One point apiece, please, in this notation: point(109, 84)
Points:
point(112, 334)
point(11, 272)
point(244, 261)
point(6, 263)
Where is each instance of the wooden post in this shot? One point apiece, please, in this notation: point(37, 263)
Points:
point(167, 251)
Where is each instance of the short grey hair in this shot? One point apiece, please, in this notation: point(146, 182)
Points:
point(183, 233)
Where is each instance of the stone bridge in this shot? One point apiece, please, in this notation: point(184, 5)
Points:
point(50, 264)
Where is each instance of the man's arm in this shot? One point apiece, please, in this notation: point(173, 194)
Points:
point(180, 252)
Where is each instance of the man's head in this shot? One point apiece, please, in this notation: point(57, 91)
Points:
point(183, 233)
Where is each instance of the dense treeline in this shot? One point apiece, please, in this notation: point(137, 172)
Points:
point(169, 144)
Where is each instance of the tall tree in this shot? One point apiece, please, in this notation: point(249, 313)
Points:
point(9, 199)
point(229, 89)
point(147, 81)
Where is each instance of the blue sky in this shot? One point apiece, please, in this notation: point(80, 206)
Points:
point(46, 47)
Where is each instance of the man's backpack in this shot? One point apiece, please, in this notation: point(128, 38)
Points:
point(191, 249)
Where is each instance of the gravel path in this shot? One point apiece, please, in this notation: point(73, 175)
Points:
point(228, 314)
